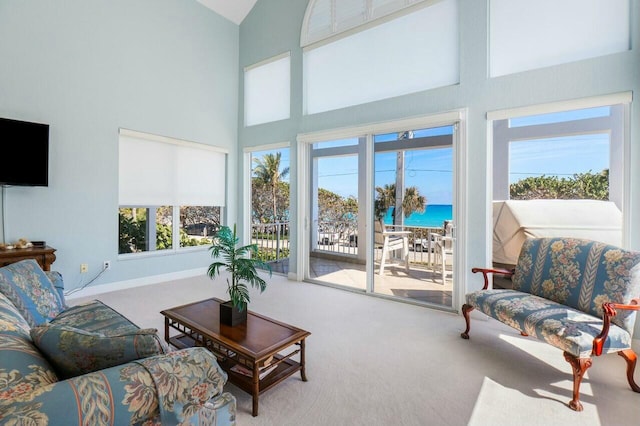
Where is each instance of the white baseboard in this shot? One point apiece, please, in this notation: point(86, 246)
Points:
point(292, 276)
point(138, 282)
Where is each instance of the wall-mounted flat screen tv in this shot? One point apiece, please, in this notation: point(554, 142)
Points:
point(25, 148)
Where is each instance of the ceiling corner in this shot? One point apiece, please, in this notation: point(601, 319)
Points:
point(234, 10)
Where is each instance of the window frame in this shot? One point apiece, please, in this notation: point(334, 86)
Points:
point(151, 209)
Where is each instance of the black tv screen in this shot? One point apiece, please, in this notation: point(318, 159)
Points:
point(26, 153)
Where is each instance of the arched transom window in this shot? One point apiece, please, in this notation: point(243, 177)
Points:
point(325, 18)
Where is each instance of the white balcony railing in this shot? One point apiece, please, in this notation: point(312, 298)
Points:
point(338, 237)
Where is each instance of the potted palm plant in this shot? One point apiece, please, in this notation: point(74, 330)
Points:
point(241, 262)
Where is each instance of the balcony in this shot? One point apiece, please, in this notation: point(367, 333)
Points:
point(336, 260)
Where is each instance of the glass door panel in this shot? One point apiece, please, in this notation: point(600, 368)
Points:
point(336, 256)
point(414, 243)
point(270, 207)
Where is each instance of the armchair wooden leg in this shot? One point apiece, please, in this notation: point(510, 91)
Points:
point(630, 356)
point(579, 367)
point(465, 311)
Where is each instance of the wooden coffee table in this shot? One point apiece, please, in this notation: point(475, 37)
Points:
point(249, 352)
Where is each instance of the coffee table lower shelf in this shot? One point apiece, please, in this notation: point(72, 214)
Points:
point(285, 368)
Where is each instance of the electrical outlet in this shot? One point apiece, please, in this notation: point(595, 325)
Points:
point(106, 265)
point(84, 267)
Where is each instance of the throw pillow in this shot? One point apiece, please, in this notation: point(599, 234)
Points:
point(26, 285)
point(73, 352)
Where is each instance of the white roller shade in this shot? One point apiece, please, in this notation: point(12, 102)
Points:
point(161, 171)
point(414, 52)
point(526, 34)
point(267, 91)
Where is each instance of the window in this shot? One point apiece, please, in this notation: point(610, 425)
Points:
point(525, 34)
point(570, 154)
point(171, 192)
point(558, 170)
point(413, 52)
point(267, 88)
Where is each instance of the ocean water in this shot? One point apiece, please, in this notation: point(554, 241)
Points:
point(433, 216)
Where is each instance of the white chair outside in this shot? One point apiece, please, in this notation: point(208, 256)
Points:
point(443, 249)
point(391, 241)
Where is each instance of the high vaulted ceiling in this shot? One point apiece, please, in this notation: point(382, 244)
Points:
point(233, 10)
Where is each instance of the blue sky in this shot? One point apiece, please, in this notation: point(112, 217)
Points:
point(431, 170)
point(428, 170)
point(562, 157)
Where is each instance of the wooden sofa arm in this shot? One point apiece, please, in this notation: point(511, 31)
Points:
point(487, 271)
point(609, 312)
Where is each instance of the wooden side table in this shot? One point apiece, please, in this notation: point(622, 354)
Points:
point(43, 255)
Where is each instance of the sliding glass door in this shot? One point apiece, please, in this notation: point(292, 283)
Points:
point(380, 214)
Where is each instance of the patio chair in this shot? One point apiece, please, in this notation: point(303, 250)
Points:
point(391, 240)
point(443, 248)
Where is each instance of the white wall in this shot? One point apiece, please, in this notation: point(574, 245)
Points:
point(88, 67)
point(273, 27)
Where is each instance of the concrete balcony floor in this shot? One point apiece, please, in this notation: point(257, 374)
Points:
point(422, 283)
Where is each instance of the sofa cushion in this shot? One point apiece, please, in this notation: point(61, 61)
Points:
point(565, 328)
point(96, 317)
point(26, 285)
point(11, 320)
point(581, 274)
point(23, 369)
point(74, 352)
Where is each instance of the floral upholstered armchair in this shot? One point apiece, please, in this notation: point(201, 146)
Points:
point(88, 364)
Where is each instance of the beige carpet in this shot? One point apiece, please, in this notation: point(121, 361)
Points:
point(376, 362)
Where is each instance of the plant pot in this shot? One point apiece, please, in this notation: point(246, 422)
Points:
point(230, 315)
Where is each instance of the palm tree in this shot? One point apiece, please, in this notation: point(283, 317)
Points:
point(413, 201)
point(268, 173)
point(386, 198)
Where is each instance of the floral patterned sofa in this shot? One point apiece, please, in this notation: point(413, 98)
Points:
point(577, 295)
point(88, 364)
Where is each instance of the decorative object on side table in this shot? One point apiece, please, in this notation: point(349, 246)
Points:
point(241, 262)
point(22, 243)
